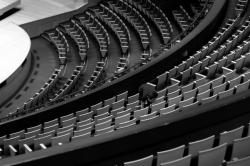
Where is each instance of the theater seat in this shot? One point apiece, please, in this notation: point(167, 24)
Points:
point(229, 136)
point(213, 156)
point(241, 147)
point(170, 155)
point(195, 147)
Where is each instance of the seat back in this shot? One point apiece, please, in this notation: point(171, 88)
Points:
point(170, 155)
point(195, 147)
point(229, 136)
point(213, 156)
point(241, 147)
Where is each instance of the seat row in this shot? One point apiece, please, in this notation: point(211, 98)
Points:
point(93, 25)
point(155, 14)
point(117, 25)
point(145, 56)
point(72, 128)
point(199, 60)
point(193, 94)
point(214, 63)
point(229, 148)
point(133, 16)
point(224, 33)
point(95, 77)
point(70, 83)
point(208, 67)
point(57, 38)
point(241, 6)
point(175, 93)
point(227, 84)
point(79, 36)
point(182, 18)
point(230, 76)
point(42, 95)
point(81, 123)
point(104, 117)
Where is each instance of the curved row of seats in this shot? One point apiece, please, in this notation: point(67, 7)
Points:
point(93, 25)
point(135, 19)
point(47, 92)
point(213, 77)
point(208, 54)
point(79, 36)
point(231, 25)
point(156, 15)
point(70, 83)
point(241, 6)
point(42, 95)
point(70, 128)
point(229, 148)
point(59, 41)
point(100, 119)
point(183, 18)
point(118, 26)
point(116, 23)
point(96, 76)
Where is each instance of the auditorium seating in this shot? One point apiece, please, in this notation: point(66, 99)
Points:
point(217, 72)
point(157, 16)
point(88, 21)
point(170, 155)
point(186, 73)
point(97, 120)
point(240, 149)
point(182, 18)
point(73, 27)
point(99, 69)
point(69, 83)
point(60, 42)
point(121, 30)
point(115, 22)
point(79, 36)
point(207, 155)
point(134, 18)
point(42, 95)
